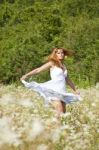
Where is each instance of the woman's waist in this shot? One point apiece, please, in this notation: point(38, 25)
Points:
point(58, 78)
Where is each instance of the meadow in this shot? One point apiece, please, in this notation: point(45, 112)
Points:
point(29, 30)
point(27, 124)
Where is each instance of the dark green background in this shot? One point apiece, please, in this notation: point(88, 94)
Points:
point(29, 29)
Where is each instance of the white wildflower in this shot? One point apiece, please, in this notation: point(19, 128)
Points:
point(64, 115)
point(97, 85)
point(91, 115)
point(26, 103)
point(48, 121)
point(97, 130)
point(86, 127)
point(7, 99)
point(36, 129)
point(55, 135)
point(54, 119)
point(77, 123)
point(35, 110)
point(7, 135)
point(68, 148)
point(42, 147)
point(93, 104)
point(65, 127)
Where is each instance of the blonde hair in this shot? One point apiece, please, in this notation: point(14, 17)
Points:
point(52, 56)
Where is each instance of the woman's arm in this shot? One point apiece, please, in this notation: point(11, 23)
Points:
point(37, 70)
point(71, 84)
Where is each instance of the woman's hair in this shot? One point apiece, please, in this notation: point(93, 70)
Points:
point(52, 56)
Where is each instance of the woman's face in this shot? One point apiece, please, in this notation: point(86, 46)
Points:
point(60, 54)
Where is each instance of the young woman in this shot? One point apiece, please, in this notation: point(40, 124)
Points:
point(54, 91)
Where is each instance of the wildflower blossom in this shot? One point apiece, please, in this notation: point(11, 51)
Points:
point(42, 147)
point(26, 103)
point(36, 129)
point(7, 136)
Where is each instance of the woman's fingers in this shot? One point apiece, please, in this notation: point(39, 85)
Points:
point(23, 77)
point(77, 92)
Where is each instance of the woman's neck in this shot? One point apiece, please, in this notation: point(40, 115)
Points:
point(61, 62)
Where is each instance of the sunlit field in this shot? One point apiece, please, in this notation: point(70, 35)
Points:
point(27, 124)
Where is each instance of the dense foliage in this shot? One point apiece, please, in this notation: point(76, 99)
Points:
point(29, 29)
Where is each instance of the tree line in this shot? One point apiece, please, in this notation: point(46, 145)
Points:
point(29, 29)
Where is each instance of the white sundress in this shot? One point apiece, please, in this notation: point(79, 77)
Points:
point(54, 89)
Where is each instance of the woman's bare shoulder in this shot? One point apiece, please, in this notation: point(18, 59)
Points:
point(51, 63)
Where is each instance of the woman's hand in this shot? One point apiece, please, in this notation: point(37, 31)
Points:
point(76, 92)
point(23, 77)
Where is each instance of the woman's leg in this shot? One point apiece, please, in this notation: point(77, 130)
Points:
point(59, 107)
point(64, 107)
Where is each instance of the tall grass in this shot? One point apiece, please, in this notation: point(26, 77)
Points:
point(26, 124)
